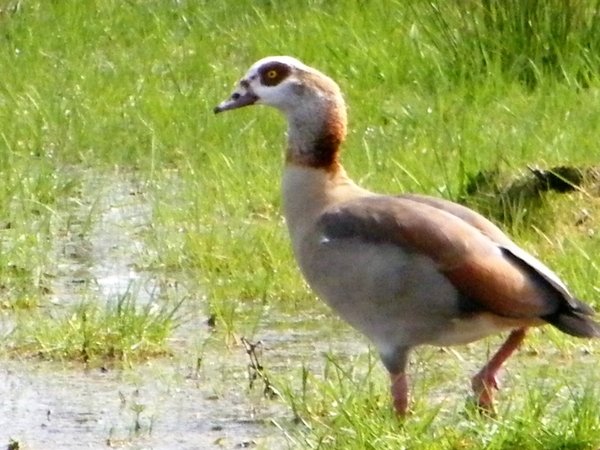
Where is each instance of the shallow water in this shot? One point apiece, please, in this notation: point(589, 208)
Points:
point(157, 406)
point(161, 404)
point(101, 242)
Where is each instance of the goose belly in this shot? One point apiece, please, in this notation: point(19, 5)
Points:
point(395, 297)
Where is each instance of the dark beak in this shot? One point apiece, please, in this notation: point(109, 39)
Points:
point(238, 99)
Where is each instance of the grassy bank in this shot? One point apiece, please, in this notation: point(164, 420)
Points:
point(437, 94)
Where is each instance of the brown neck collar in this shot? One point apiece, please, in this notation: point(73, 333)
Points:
point(319, 150)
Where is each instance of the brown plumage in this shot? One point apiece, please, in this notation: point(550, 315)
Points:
point(405, 270)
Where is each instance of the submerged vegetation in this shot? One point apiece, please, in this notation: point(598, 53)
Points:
point(454, 99)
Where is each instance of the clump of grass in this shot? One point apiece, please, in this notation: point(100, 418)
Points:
point(120, 331)
point(31, 189)
point(524, 40)
point(527, 199)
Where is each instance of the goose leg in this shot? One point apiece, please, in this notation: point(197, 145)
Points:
point(485, 381)
point(395, 362)
point(399, 391)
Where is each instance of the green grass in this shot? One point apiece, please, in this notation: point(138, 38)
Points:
point(120, 331)
point(346, 405)
point(437, 93)
point(524, 41)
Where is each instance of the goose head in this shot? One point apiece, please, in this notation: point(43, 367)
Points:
point(282, 82)
point(311, 101)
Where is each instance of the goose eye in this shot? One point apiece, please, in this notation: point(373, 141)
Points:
point(273, 73)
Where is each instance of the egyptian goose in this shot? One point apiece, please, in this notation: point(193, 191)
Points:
point(404, 270)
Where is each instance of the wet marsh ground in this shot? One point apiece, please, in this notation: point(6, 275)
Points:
point(141, 238)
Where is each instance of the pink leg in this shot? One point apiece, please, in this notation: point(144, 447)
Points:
point(400, 393)
point(485, 380)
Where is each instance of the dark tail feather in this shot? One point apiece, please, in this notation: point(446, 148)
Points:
point(575, 324)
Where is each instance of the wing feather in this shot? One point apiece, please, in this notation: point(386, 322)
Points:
point(479, 260)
